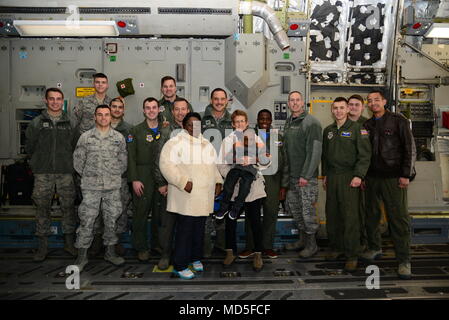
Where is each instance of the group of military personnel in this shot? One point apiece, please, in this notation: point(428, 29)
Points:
point(363, 162)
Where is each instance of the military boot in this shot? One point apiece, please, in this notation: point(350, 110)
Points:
point(119, 248)
point(298, 245)
point(42, 250)
point(257, 262)
point(351, 265)
point(229, 259)
point(96, 246)
point(81, 261)
point(112, 257)
point(69, 244)
point(164, 262)
point(311, 247)
point(405, 271)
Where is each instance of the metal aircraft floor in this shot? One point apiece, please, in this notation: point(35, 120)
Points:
point(284, 278)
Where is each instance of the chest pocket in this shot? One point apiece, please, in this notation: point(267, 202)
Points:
point(92, 145)
point(114, 147)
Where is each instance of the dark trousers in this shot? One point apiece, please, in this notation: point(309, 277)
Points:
point(270, 214)
point(252, 212)
point(342, 215)
point(167, 228)
point(231, 180)
point(396, 205)
point(189, 239)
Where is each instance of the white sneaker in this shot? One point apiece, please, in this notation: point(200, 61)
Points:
point(197, 266)
point(185, 274)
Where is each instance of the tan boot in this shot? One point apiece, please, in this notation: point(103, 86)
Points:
point(229, 259)
point(42, 250)
point(69, 244)
point(257, 262)
point(143, 255)
point(405, 271)
point(311, 247)
point(351, 265)
point(298, 245)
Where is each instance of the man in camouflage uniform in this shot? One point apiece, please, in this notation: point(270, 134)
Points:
point(214, 123)
point(83, 119)
point(143, 143)
point(83, 112)
point(117, 106)
point(100, 158)
point(168, 219)
point(50, 145)
point(166, 103)
point(302, 142)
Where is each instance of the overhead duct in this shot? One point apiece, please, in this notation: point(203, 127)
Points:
point(146, 18)
point(266, 13)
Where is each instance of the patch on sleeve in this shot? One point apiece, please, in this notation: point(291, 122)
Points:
point(279, 143)
point(364, 132)
point(129, 138)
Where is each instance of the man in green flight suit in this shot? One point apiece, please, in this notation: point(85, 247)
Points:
point(168, 90)
point(275, 187)
point(345, 160)
point(356, 107)
point(143, 141)
point(168, 219)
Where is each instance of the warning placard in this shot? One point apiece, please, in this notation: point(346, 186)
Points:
point(84, 91)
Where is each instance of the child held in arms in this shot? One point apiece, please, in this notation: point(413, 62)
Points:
point(242, 154)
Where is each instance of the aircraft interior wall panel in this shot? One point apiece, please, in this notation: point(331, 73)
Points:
point(280, 64)
point(415, 66)
point(5, 104)
point(427, 188)
point(38, 64)
point(207, 72)
point(145, 62)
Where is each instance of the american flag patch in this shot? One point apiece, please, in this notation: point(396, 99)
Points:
point(364, 132)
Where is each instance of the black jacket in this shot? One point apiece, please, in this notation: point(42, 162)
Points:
point(394, 150)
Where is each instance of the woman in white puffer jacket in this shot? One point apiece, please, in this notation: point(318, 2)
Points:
point(188, 163)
